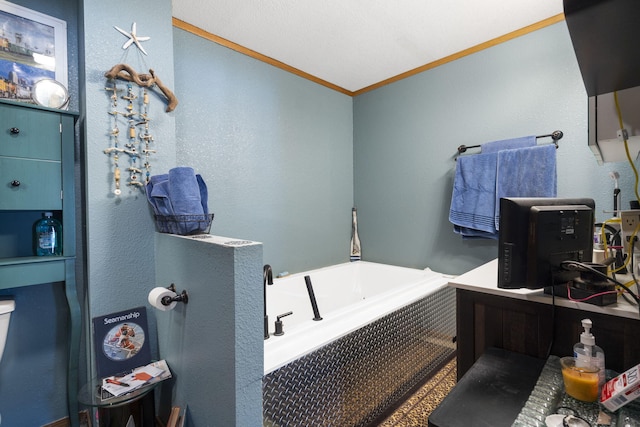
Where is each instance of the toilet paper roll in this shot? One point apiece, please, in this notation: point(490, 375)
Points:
point(155, 298)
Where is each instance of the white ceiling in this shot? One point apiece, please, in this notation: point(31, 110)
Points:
point(357, 43)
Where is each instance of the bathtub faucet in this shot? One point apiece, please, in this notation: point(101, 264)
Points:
point(267, 279)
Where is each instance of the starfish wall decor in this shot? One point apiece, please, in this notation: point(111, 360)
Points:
point(133, 38)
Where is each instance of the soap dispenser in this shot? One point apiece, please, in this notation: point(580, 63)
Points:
point(47, 236)
point(587, 353)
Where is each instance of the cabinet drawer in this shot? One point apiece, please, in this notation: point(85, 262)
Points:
point(30, 184)
point(29, 133)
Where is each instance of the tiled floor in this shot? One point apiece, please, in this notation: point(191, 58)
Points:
point(415, 411)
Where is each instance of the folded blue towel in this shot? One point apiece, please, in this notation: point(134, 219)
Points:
point(475, 201)
point(184, 192)
point(158, 195)
point(527, 172)
point(180, 201)
point(204, 194)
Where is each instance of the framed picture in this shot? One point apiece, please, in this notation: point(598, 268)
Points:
point(33, 46)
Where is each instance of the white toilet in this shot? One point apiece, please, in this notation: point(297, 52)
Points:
point(6, 307)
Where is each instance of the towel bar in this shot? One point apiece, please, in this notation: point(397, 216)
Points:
point(555, 136)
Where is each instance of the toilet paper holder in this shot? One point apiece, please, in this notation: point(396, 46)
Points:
point(182, 297)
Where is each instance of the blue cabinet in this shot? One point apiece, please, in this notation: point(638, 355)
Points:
point(37, 175)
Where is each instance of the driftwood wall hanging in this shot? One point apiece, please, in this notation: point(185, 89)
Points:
point(125, 72)
point(139, 145)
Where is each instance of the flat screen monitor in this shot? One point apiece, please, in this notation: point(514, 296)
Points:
point(537, 234)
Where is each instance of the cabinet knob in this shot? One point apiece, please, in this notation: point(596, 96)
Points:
point(15, 183)
point(14, 131)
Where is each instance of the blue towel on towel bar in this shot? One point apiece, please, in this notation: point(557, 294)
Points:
point(527, 172)
point(473, 203)
point(508, 144)
point(474, 195)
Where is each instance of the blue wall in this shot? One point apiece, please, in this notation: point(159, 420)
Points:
point(213, 344)
point(406, 135)
point(275, 150)
point(120, 264)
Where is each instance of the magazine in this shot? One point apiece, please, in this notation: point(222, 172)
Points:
point(145, 375)
point(121, 341)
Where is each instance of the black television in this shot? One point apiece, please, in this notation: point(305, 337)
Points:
point(537, 234)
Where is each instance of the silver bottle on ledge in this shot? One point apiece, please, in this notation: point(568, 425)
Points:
point(356, 254)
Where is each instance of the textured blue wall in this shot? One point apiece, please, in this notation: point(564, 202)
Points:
point(406, 134)
point(214, 344)
point(275, 150)
point(120, 230)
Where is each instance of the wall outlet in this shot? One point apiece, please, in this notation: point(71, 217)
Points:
point(630, 223)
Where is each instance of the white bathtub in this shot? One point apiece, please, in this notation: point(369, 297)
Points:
point(349, 296)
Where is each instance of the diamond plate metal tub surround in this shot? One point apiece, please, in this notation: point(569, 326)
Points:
point(353, 379)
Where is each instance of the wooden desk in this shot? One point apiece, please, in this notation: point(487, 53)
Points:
point(524, 321)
